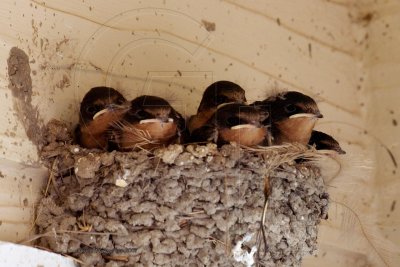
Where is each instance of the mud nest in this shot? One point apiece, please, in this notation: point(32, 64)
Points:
point(179, 206)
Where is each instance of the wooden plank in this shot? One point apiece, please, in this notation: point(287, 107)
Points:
point(332, 255)
point(382, 63)
point(140, 48)
point(321, 22)
point(279, 58)
point(20, 189)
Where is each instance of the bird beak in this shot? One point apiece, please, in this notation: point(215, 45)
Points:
point(158, 120)
point(224, 104)
point(306, 115)
point(166, 120)
point(113, 107)
point(332, 152)
point(149, 121)
point(101, 112)
point(243, 126)
point(302, 115)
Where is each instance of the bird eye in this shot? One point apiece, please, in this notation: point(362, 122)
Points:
point(264, 114)
point(233, 121)
point(141, 114)
point(220, 99)
point(290, 108)
point(120, 101)
point(91, 109)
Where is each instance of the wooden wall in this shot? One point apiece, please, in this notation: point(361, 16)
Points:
point(331, 50)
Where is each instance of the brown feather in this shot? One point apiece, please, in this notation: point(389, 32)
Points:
point(244, 136)
point(295, 130)
point(148, 135)
point(201, 118)
point(94, 134)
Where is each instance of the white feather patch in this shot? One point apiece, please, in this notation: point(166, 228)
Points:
point(242, 256)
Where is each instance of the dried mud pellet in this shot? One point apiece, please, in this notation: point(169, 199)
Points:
point(190, 209)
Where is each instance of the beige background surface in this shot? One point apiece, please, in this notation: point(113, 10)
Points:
point(346, 54)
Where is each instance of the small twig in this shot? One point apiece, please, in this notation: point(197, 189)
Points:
point(227, 242)
point(138, 137)
point(68, 232)
point(34, 238)
point(263, 224)
point(183, 224)
point(88, 233)
point(215, 240)
point(267, 189)
point(195, 212)
point(188, 218)
point(51, 178)
point(158, 163)
point(124, 258)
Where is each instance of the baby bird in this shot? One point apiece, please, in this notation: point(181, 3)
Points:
point(234, 122)
point(326, 143)
point(150, 122)
point(100, 107)
point(293, 117)
point(216, 94)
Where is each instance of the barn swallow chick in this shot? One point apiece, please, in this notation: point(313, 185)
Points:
point(100, 107)
point(216, 94)
point(293, 117)
point(325, 143)
point(150, 122)
point(234, 122)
